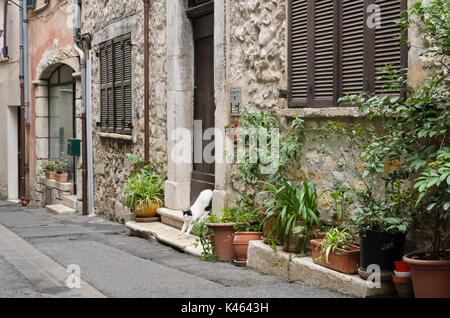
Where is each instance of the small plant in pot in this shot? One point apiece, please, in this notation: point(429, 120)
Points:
point(247, 225)
point(338, 250)
point(60, 170)
point(48, 169)
point(143, 192)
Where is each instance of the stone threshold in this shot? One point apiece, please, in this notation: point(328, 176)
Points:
point(263, 258)
point(165, 234)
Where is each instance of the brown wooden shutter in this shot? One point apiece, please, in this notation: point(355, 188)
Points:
point(352, 49)
point(127, 106)
point(387, 48)
point(313, 53)
point(298, 53)
point(110, 86)
point(106, 87)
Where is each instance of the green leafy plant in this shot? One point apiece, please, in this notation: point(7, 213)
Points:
point(47, 166)
point(287, 205)
point(140, 167)
point(336, 238)
point(60, 167)
point(142, 189)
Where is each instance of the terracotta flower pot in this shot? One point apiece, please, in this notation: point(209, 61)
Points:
point(61, 177)
point(341, 260)
point(404, 287)
point(431, 279)
point(293, 238)
point(269, 228)
point(147, 211)
point(50, 175)
point(222, 241)
point(240, 245)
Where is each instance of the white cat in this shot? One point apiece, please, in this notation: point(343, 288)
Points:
point(199, 211)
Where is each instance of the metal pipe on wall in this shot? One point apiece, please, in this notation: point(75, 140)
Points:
point(26, 84)
point(146, 83)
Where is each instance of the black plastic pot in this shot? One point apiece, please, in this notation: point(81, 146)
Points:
point(382, 249)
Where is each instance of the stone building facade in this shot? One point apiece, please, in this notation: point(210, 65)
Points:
point(250, 51)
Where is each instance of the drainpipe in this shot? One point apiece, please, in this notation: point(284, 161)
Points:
point(78, 45)
point(146, 83)
point(26, 79)
point(5, 30)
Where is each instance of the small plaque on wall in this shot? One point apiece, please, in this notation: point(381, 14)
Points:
point(236, 101)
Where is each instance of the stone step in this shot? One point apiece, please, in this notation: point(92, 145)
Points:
point(171, 217)
point(165, 234)
point(70, 201)
point(263, 258)
point(60, 209)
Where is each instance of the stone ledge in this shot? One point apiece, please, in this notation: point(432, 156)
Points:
point(117, 137)
point(262, 258)
point(171, 217)
point(324, 112)
point(165, 234)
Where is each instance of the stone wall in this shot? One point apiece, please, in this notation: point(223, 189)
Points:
point(104, 20)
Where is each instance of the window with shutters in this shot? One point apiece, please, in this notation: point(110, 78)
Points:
point(115, 86)
point(336, 47)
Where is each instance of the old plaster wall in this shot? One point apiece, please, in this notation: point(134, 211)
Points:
point(104, 20)
point(50, 40)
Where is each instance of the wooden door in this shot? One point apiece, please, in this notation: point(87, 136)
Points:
point(204, 107)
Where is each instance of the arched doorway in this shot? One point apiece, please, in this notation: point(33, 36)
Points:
point(61, 119)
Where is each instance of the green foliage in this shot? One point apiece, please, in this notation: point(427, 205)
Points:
point(47, 166)
point(289, 204)
point(143, 186)
point(413, 140)
point(60, 167)
point(336, 238)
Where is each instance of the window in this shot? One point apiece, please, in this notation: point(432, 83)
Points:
point(336, 47)
point(115, 86)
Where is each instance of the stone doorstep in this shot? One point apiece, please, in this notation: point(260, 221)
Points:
point(60, 209)
point(171, 217)
point(165, 234)
point(70, 201)
point(263, 258)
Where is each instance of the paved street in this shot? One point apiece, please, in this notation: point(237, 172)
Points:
point(36, 247)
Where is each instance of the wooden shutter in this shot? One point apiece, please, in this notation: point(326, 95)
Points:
point(352, 48)
point(118, 85)
point(127, 102)
point(313, 53)
point(106, 85)
point(387, 49)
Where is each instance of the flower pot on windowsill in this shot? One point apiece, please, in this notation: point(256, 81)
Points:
point(50, 175)
point(61, 177)
point(344, 261)
point(222, 241)
point(431, 279)
point(240, 245)
point(145, 212)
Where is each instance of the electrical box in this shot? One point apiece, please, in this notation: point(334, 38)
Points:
point(236, 101)
point(74, 147)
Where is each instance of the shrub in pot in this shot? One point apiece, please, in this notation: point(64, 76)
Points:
point(247, 225)
point(338, 250)
point(143, 192)
point(60, 170)
point(48, 169)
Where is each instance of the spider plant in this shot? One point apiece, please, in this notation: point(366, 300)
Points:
point(336, 238)
point(142, 189)
point(289, 204)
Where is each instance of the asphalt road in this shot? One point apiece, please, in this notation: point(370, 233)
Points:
point(117, 265)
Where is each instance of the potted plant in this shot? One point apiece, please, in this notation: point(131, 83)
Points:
point(216, 236)
point(293, 211)
point(247, 225)
point(48, 169)
point(143, 194)
point(60, 170)
point(402, 280)
point(338, 250)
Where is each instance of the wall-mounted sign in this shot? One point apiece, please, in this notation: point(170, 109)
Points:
point(236, 101)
